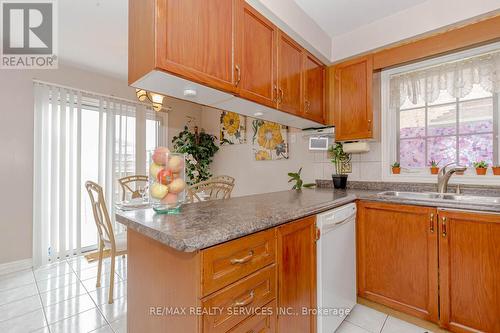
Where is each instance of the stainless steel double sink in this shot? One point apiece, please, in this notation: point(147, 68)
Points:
point(442, 197)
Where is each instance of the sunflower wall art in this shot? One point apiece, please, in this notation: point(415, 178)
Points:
point(270, 140)
point(232, 128)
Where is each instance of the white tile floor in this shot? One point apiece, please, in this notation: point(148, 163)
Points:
point(363, 319)
point(62, 297)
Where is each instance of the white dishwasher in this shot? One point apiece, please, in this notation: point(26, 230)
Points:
point(336, 265)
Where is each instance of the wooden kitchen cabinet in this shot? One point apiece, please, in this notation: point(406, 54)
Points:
point(314, 88)
point(290, 73)
point(352, 99)
point(469, 271)
point(397, 257)
point(231, 53)
point(194, 40)
point(297, 275)
point(255, 56)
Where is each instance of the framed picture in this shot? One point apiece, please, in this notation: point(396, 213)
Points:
point(232, 128)
point(269, 141)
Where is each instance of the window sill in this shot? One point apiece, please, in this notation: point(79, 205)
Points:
point(468, 179)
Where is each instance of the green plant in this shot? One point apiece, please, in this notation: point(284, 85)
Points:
point(299, 183)
point(200, 149)
point(396, 165)
point(339, 158)
point(433, 163)
point(480, 165)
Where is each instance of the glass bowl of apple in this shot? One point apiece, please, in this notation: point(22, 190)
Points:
point(167, 180)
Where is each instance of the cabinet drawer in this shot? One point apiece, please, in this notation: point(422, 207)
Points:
point(229, 262)
point(231, 305)
point(263, 322)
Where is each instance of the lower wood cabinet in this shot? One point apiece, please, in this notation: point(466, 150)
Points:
point(239, 286)
point(397, 253)
point(469, 272)
point(263, 322)
point(419, 259)
point(297, 275)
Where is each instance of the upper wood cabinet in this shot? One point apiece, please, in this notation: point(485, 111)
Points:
point(314, 88)
point(231, 54)
point(352, 99)
point(397, 252)
point(255, 56)
point(297, 274)
point(469, 272)
point(195, 40)
point(290, 73)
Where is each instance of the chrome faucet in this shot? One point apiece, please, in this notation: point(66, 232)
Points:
point(444, 176)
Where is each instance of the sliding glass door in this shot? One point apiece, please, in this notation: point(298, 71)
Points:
point(79, 137)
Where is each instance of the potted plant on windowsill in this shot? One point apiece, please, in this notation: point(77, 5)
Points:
point(396, 168)
point(481, 167)
point(496, 170)
point(339, 158)
point(434, 167)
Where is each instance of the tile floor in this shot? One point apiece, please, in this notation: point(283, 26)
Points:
point(62, 297)
point(363, 319)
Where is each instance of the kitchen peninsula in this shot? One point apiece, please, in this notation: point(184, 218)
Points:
point(231, 254)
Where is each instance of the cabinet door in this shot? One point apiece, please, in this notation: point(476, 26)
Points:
point(469, 271)
point(297, 275)
point(255, 56)
point(195, 40)
point(397, 249)
point(353, 114)
point(290, 64)
point(314, 88)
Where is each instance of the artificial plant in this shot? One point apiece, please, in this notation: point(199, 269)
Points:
point(200, 149)
point(299, 183)
point(339, 158)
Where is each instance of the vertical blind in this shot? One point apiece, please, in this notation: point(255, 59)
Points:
point(82, 136)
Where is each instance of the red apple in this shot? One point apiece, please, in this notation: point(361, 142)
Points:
point(160, 155)
point(164, 176)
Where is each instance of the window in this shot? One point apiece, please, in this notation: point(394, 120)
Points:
point(458, 130)
point(444, 110)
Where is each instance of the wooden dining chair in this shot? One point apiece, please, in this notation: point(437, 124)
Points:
point(216, 188)
point(135, 180)
point(117, 244)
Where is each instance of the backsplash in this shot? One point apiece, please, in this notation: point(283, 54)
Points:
point(365, 166)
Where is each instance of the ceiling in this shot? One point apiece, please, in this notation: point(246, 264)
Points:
point(93, 34)
point(337, 17)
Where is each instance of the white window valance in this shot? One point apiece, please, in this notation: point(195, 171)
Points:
point(457, 78)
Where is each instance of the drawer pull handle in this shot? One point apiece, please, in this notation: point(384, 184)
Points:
point(243, 260)
point(432, 222)
point(248, 300)
point(238, 75)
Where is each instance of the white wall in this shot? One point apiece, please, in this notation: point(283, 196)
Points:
point(290, 18)
point(258, 176)
point(423, 18)
point(16, 144)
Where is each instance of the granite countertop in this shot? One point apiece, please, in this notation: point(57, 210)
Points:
point(204, 224)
